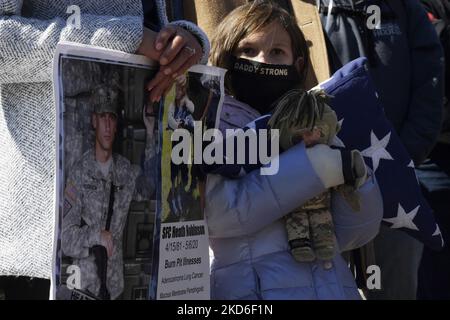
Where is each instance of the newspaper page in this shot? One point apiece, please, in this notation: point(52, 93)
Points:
point(130, 220)
point(191, 108)
point(107, 178)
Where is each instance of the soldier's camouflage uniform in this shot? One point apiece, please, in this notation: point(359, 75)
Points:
point(86, 204)
point(310, 227)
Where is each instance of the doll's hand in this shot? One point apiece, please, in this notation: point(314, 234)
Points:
point(311, 137)
point(354, 168)
point(355, 175)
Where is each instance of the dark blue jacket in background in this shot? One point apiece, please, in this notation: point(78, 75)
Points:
point(406, 61)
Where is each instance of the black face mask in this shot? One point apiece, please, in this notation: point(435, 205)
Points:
point(259, 84)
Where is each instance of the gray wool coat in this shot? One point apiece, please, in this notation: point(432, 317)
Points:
point(29, 33)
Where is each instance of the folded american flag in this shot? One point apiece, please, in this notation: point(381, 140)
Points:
point(365, 127)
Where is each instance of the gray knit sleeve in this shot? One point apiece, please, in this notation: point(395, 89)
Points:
point(27, 45)
point(10, 7)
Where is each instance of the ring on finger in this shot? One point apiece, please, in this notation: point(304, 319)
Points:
point(190, 50)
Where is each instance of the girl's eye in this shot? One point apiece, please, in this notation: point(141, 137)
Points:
point(277, 52)
point(247, 51)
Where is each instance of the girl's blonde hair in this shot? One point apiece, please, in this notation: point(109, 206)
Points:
point(250, 18)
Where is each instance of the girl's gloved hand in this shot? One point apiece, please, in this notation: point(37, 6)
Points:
point(327, 164)
point(344, 169)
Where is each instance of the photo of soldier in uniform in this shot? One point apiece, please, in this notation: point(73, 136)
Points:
point(109, 180)
point(190, 108)
point(196, 98)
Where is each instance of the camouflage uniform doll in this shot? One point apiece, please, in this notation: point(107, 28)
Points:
point(305, 116)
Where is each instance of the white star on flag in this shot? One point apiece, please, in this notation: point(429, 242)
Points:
point(377, 150)
point(404, 219)
point(438, 233)
point(337, 142)
point(411, 165)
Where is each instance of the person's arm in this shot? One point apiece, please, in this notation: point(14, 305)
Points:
point(355, 229)
point(423, 123)
point(189, 104)
point(27, 45)
point(236, 207)
point(146, 175)
point(76, 236)
point(171, 121)
point(10, 7)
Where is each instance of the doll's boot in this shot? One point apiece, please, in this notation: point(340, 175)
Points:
point(325, 251)
point(302, 251)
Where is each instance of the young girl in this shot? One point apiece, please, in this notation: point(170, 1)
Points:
point(266, 55)
point(302, 116)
